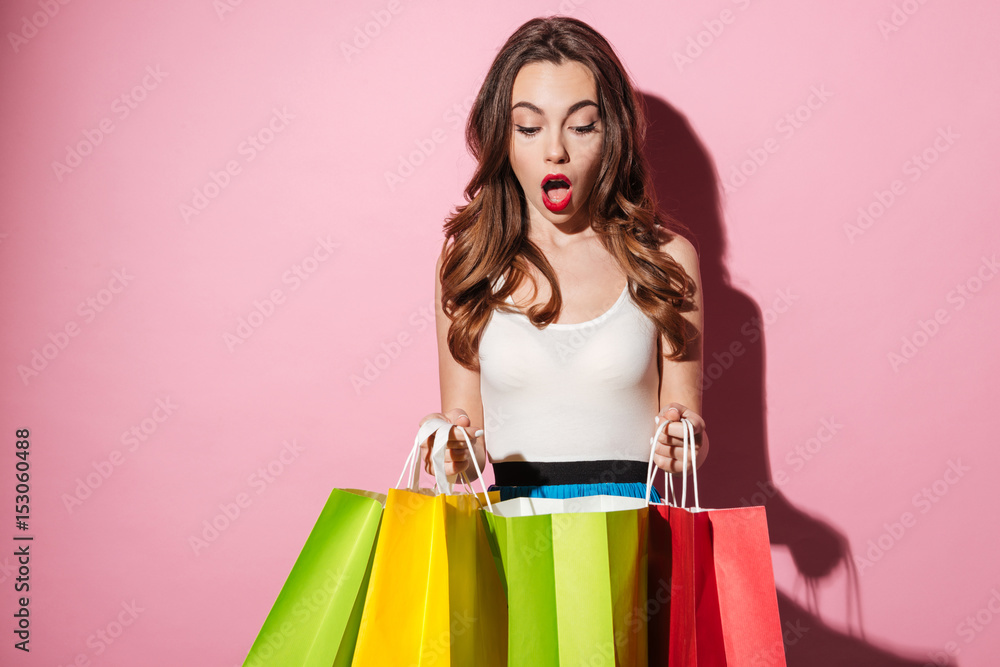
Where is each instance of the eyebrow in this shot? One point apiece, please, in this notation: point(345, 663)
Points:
point(573, 109)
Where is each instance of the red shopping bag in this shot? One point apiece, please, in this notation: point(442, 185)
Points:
point(711, 577)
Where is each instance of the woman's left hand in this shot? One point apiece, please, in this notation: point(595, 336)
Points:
point(669, 453)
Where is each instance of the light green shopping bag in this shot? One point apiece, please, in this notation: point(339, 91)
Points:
point(314, 620)
point(575, 575)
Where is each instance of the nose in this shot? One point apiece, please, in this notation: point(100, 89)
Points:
point(555, 151)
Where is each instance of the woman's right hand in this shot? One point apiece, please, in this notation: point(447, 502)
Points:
point(456, 456)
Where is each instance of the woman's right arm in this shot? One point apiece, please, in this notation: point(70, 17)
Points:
point(461, 400)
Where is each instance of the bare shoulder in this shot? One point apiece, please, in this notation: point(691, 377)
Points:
point(437, 267)
point(445, 249)
point(440, 258)
point(682, 251)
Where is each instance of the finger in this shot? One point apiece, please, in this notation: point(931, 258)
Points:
point(672, 412)
point(457, 415)
point(456, 468)
point(456, 438)
point(697, 422)
point(455, 455)
point(675, 452)
point(673, 434)
point(433, 415)
point(666, 463)
point(673, 465)
point(673, 449)
point(675, 431)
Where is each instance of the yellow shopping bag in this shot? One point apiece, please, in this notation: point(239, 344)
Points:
point(435, 598)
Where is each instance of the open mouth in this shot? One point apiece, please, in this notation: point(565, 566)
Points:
point(556, 191)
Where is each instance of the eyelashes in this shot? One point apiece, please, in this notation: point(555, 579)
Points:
point(532, 131)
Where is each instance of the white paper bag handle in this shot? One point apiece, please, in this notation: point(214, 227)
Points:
point(413, 457)
point(441, 430)
point(652, 469)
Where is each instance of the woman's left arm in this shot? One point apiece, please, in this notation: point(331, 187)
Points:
point(681, 380)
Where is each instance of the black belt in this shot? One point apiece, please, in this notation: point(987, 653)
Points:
point(537, 473)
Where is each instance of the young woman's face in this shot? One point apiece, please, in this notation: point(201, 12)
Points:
point(557, 132)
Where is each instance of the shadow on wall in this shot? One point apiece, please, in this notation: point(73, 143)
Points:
point(734, 405)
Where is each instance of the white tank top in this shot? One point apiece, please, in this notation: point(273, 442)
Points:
point(570, 392)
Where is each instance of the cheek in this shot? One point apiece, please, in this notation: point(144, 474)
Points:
point(521, 172)
point(592, 155)
point(516, 159)
point(589, 177)
point(593, 165)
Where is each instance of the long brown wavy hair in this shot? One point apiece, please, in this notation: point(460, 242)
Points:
point(488, 236)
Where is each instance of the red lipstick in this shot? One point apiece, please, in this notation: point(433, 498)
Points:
point(561, 189)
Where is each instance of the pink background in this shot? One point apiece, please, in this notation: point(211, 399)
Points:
point(837, 438)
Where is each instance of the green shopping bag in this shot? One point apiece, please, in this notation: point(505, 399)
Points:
point(574, 570)
point(315, 619)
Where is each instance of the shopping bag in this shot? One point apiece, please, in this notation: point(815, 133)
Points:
point(574, 570)
point(435, 598)
point(314, 620)
point(715, 567)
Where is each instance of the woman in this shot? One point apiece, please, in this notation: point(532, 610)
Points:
point(569, 316)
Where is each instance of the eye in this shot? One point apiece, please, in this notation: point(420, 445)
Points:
point(587, 129)
point(527, 131)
